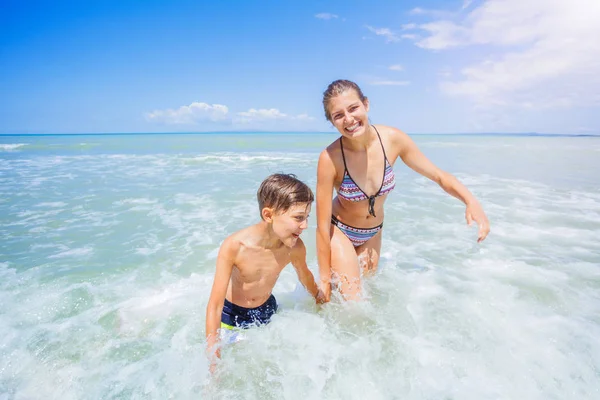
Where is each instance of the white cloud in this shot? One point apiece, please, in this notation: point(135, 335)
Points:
point(385, 32)
point(196, 113)
point(303, 117)
point(190, 115)
point(410, 36)
point(539, 53)
point(396, 67)
point(417, 11)
point(268, 115)
point(389, 83)
point(445, 72)
point(326, 16)
point(262, 114)
point(443, 35)
point(430, 13)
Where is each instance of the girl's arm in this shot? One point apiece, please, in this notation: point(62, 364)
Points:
point(325, 178)
point(412, 156)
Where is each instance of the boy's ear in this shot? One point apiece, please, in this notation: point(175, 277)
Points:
point(267, 214)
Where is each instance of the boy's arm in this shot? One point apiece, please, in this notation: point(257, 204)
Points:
point(214, 308)
point(298, 258)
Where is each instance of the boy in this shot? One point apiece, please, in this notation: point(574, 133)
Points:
point(250, 260)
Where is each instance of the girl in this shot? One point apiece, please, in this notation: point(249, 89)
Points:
point(359, 166)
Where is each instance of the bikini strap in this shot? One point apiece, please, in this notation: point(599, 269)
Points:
point(381, 143)
point(385, 164)
point(343, 156)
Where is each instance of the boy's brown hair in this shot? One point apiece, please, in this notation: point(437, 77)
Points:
point(282, 191)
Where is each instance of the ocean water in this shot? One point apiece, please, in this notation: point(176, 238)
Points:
point(108, 246)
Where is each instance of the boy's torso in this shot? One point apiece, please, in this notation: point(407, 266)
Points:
point(255, 273)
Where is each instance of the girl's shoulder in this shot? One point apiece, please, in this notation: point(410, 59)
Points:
point(332, 151)
point(389, 132)
point(331, 157)
point(333, 146)
point(393, 139)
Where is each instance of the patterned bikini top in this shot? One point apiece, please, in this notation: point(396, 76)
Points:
point(350, 191)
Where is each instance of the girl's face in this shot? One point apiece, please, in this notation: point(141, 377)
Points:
point(349, 114)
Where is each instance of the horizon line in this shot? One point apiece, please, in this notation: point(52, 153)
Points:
point(254, 132)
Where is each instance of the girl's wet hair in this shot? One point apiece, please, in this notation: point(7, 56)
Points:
point(336, 88)
point(282, 191)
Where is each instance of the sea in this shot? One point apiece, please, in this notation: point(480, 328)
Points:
point(108, 246)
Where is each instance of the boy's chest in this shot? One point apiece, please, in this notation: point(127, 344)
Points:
point(262, 265)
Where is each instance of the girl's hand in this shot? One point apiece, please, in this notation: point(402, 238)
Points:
point(325, 291)
point(474, 212)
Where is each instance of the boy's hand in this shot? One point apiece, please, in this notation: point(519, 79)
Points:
point(320, 297)
point(213, 357)
point(213, 367)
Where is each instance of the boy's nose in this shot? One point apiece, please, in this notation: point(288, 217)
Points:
point(304, 224)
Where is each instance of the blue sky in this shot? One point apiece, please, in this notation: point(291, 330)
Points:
point(185, 66)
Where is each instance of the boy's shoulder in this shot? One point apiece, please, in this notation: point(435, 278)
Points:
point(230, 247)
point(298, 251)
point(299, 246)
point(237, 238)
point(241, 238)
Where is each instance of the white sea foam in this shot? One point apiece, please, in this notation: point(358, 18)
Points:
point(53, 204)
point(185, 198)
point(106, 276)
point(237, 157)
point(79, 252)
point(11, 146)
point(141, 201)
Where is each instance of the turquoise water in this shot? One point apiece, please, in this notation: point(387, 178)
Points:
point(108, 246)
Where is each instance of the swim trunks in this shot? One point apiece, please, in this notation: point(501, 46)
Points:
point(234, 316)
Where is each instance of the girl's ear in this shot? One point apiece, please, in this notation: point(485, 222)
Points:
point(267, 214)
point(366, 103)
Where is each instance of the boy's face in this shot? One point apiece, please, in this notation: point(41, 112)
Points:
point(289, 225)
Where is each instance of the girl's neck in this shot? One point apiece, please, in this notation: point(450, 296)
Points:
point(362, 142)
